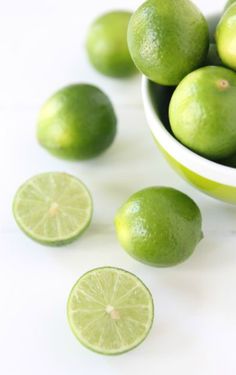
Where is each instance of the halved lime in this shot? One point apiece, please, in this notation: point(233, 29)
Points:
point(110, 310)
point(53, 208)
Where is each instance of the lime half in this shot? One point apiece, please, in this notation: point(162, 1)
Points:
point(110, 310)
point(53, 208)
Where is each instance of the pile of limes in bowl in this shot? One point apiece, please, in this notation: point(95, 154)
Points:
point(169, 43)
point(110, 310)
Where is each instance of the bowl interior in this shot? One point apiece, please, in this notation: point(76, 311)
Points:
point(160, 97)
point(212, 21)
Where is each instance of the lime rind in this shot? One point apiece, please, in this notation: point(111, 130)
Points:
point(34, 201)
point(100, 309)
point(77, 122)
point(107, 46)
point(159, 226)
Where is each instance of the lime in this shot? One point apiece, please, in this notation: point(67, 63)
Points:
point(107, 44)
point(159, 226)
point(229, 3)
point(230, 161)
point(226, 37)
point(110, 310)
point(77, 122)
point(168, 39)
point(213, 57)
point(53, 208)
point(203, 113)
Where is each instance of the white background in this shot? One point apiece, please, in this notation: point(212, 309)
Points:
point(41, 50)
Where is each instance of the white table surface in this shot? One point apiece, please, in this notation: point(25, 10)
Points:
point(41, 50)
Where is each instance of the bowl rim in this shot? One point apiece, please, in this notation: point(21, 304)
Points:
point(208, 169)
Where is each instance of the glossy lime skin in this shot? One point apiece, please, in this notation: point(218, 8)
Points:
point(168, 39)
point(159, 226)
point(213, 57)
point(226, 37)
point(202, 112)
point(107, 45)
point(78, 122)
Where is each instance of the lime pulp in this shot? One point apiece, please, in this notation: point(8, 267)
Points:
point(53, 208)
point(110, 311)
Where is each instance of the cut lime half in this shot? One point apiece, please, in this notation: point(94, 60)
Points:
point(110, 310)
point(53, 208)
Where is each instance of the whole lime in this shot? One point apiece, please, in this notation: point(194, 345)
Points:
point(230, 161)
point(77, 122)
point(168, 39)
point(226, 37)
point(202, 112)
point(159, 226)
point(107, 46)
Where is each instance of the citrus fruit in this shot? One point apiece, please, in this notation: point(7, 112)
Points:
point(110, 310)
point(53, 208)
point(213, 57)
point(107, 45)
point(77, 122)
point(168, 39)
point(159, 226)
point(230, 161)
point(229, 3)
point(203, 113)
point(226, 37)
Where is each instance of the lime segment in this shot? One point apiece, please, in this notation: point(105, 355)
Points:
point(53, 208)
point(110, 310)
